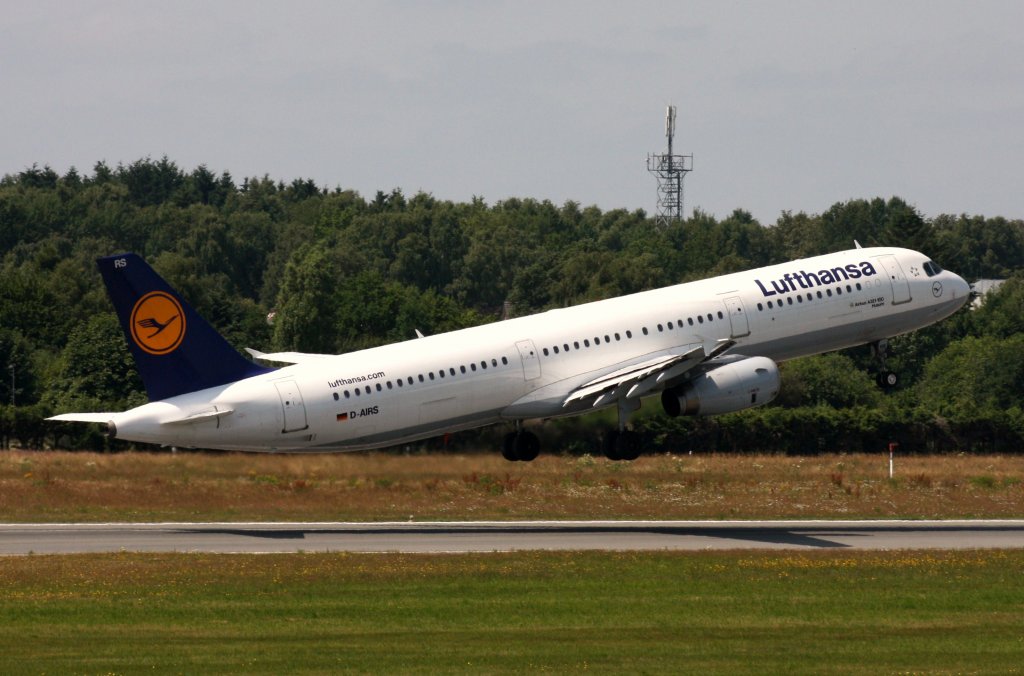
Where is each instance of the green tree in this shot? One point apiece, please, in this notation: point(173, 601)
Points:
point(96, 370)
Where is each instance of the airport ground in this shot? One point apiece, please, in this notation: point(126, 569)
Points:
point(835, 611)
point(91, 487)
point(603, 612)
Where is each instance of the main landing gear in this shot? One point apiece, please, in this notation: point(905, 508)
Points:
point(521, 445)
point(885, 378)
point(619, 444)
point(623, 444)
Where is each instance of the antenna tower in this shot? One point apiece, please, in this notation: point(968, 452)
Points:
point(670, 170)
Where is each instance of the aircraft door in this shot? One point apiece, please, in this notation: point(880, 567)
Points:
point(737, 317)
point(530, 358)
point(293, 406)
point(900, 285)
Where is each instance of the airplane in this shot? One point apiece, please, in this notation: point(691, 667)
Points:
point(705, 348)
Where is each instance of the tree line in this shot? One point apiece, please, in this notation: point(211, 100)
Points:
point(336, 271)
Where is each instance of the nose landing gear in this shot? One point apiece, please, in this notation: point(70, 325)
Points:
point(885, 379)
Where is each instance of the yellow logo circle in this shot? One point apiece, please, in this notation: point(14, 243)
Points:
point(158, 323)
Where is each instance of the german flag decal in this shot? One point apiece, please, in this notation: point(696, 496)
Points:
point(342, 417)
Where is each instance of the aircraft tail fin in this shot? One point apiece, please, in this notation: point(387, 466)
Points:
point(175, 350)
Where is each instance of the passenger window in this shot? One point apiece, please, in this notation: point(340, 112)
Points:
point(336, 397)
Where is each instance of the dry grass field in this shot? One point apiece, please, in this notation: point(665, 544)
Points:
point(58, 486)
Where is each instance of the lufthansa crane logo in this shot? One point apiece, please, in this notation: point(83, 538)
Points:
point(158, 323)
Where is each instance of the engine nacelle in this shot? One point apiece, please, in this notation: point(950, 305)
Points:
point(730, 387)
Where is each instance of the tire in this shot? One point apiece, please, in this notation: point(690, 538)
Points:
point(508, 449)
point(611, 445)
point(629, 445)
point(527, 446)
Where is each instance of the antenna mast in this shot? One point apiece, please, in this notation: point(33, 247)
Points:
point(670, 170)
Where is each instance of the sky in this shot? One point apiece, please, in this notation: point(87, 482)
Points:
point(785, 106)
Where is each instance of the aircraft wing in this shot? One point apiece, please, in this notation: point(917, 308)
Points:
point(287, 357)
point(637, 380)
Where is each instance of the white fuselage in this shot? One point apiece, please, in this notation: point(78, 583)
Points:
point(525, 368)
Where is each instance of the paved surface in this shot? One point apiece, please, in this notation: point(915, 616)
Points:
point(487, 536)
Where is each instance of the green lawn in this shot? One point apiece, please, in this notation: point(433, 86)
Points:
point(730, 613)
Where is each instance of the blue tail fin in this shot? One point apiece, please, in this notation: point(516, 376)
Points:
point(175, 350)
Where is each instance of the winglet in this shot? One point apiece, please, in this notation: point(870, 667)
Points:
point(175, 349)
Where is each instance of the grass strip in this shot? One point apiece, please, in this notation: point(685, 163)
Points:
point(81, 487)
point(746, 612)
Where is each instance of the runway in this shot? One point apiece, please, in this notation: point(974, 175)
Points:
point(490, 536)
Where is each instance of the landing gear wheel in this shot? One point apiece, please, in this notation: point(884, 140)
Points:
point(508, 450)
point(527, 446)
point(521, 445)
point(888, 380)
point(622, 445)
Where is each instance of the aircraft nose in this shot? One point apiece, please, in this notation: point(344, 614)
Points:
point(959, 287)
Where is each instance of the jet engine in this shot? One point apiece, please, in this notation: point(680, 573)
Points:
point(730, 387)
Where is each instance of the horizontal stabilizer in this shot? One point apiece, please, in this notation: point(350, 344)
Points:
point(201, 416)
point(102, 418)
point(286, 357)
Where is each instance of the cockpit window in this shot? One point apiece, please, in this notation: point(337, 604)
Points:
point(932, 268)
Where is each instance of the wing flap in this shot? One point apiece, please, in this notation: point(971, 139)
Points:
point(639, 379)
